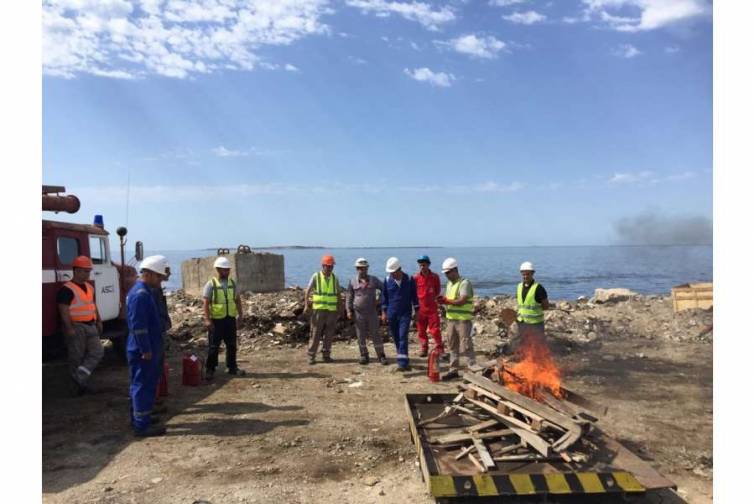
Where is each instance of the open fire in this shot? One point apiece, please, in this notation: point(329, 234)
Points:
point(535, 370)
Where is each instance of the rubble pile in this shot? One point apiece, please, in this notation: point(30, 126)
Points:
point(277, 318)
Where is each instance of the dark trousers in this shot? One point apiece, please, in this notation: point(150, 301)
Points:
point(222, 331)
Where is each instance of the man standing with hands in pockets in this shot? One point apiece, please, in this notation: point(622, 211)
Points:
point(222, 309)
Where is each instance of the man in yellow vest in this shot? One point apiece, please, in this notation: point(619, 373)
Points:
point(532, 300)
point(459, 304)
point(325, 307)
point(222, 313)
point(82, 325)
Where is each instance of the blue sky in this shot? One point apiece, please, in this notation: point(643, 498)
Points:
point(372, 122)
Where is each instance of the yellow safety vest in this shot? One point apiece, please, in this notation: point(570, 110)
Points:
point(83, 308)
point(223, 303)
point(326, 292)
point(461, 312)
point(530, 311)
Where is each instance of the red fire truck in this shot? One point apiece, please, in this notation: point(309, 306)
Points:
point(61, 243)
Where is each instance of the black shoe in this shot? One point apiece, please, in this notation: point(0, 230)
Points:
point(326, 358)
point(209, 374)
point(151, 431)
point(383, 360)
point(451, 375)
point(364, 359)
point(237, 371)
point(155, 419)
point(423, 352)
point(312, 361)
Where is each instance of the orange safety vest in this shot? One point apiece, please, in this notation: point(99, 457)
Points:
point(83, 308)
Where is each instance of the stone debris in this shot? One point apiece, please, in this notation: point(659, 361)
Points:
point(277, 319)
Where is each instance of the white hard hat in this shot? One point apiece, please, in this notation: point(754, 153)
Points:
point(449, 264)
point(361, 263)
point(222, 262)
point(156, 263)
point(527, 266)
point(392, 265)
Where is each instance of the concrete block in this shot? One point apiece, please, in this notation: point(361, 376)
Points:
point(252, 272)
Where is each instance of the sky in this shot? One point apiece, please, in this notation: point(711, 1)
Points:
point(382, 123)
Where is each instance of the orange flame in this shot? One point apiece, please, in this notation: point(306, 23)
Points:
point(535, 371)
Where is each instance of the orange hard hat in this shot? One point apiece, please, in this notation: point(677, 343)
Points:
point(82, 262)
point(328, 260)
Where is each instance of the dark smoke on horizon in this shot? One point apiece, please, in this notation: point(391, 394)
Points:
point(655, 229)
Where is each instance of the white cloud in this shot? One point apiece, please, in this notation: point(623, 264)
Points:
point(223, 152)
point(631, 177)
point(171, 38)
point(290, 68)
point(421, 12)
point(357, 60)
point(440, 79)
point(480, 47)
point(484, 187)
point(527, 18)
point(506, 3)
point(626, 51)
point(648, 14)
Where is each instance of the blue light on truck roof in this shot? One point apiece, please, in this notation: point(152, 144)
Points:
point(98, 221)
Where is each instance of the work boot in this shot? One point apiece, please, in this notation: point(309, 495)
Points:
point(151, 431)
point(326, 358)
point(423, 352)
point(311, 360)
point(451, 375)
point(383, 359)
point(237, 371)
point(364, 359)
point(209, 374)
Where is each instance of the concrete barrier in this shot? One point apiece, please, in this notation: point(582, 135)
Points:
point(253, 272)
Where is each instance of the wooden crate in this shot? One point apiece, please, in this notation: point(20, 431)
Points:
point(692, 295)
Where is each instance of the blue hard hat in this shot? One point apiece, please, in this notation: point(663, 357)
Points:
point(423, 258)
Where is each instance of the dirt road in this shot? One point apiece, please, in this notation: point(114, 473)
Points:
point(289, 432)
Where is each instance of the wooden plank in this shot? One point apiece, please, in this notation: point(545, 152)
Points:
point(476, 463)
point(529, 457)
point(511, 448)
point(446, 412)
point(464, 452)
point(463, 436)
point(466, 410)
point(534, 407)
point(509, 404)
point(483, 425)
point(482, 451)
point(525, 434)
point(573, 429)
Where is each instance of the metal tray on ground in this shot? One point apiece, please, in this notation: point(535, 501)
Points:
point(612, 468)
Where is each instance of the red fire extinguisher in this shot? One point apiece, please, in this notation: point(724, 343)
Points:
point(162, 388)
point(192, 370)
point(433, 364)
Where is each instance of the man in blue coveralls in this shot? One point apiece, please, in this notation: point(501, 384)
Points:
point(399, 298)
point(144, 348)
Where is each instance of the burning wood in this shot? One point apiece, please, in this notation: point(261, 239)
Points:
point(519, 414)
point(535, 371)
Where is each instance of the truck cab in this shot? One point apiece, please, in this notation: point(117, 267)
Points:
point(62, 242)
